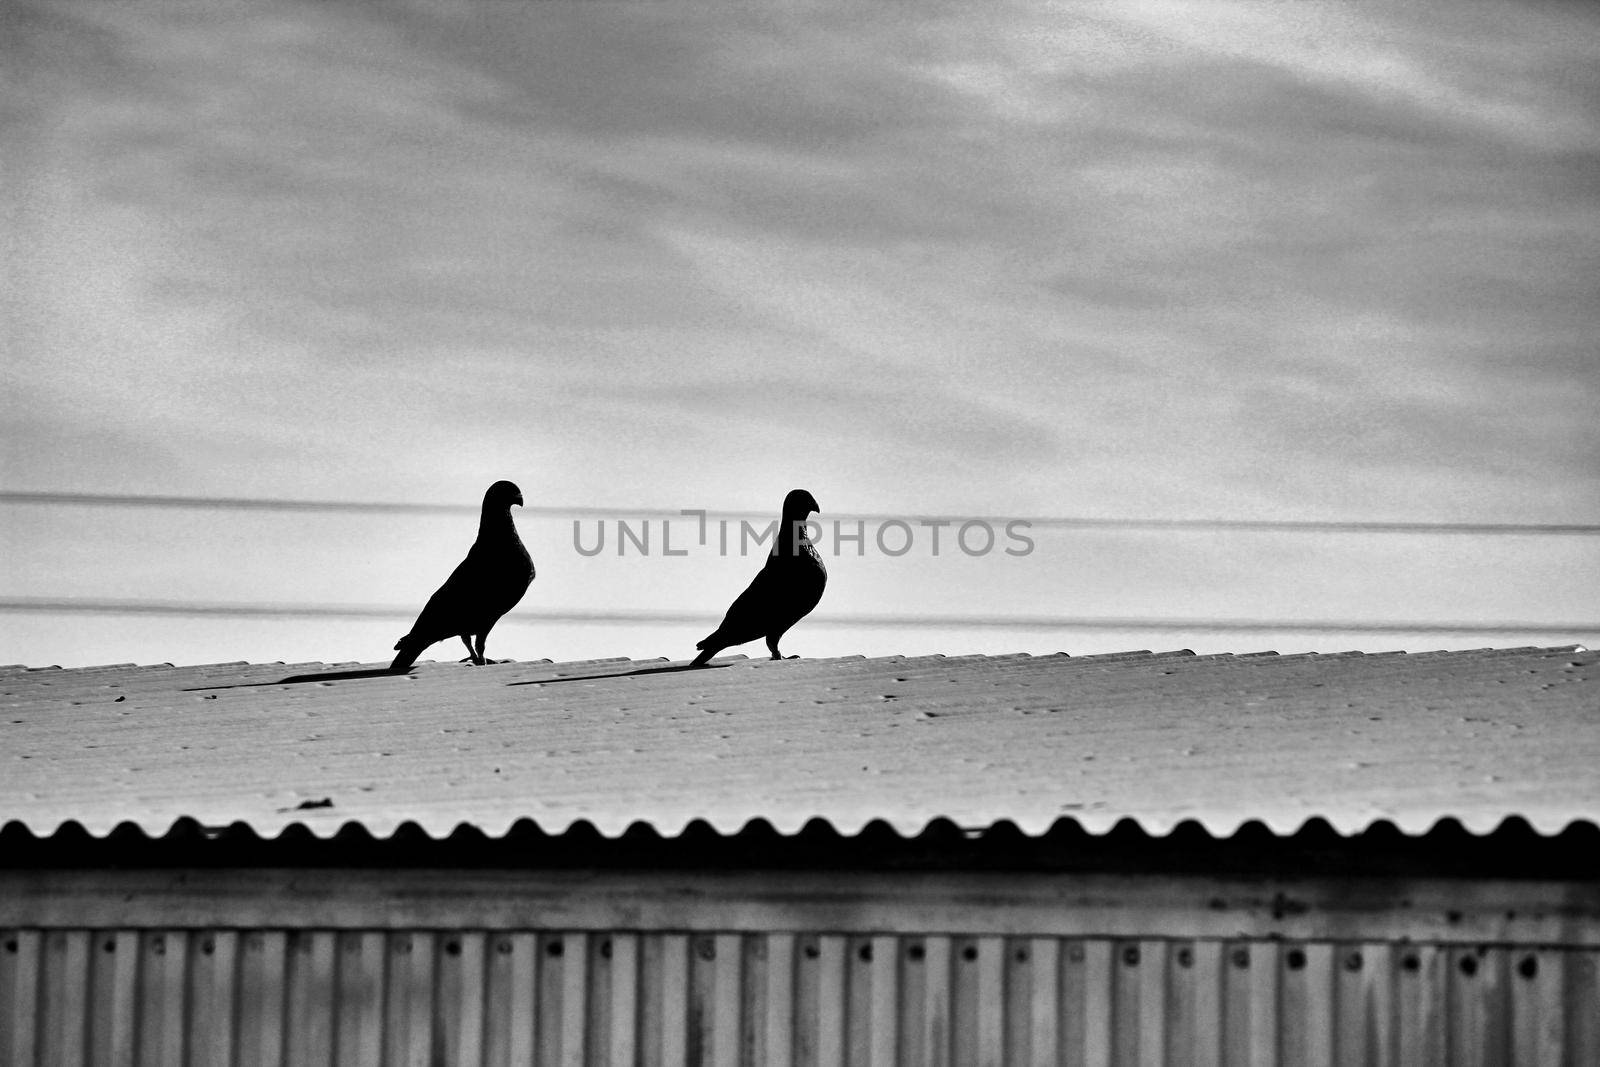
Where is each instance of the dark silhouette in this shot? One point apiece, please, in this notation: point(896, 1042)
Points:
point(640, 672)
point(486, 585)
point(783, 593)
point(324, 678)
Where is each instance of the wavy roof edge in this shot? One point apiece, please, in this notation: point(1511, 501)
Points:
point(1513, 851)
point(1065, 827)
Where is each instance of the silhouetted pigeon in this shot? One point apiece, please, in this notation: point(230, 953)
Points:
point(784, 591)
point(486, 585)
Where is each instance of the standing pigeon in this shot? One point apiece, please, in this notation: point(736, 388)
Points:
point(783, 593)
point(486, 585)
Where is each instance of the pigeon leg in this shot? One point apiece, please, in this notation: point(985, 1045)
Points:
point(471, 656)
point(772, 646)
point(481, 659)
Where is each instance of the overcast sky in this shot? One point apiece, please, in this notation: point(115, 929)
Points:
point(1154, 260)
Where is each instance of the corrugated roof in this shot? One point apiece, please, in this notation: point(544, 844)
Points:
point(1160, 739)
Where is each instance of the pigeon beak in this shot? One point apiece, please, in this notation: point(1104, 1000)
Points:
point(518, 501)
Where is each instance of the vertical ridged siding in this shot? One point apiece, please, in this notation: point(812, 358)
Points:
point(272, 996)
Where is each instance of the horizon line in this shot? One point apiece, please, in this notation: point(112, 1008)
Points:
point(74, 499)
point(214, 609)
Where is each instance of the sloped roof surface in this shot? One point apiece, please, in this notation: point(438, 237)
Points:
point(1409, 738)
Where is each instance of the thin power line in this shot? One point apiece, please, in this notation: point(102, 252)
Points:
point(694, 515)
point(52, 605)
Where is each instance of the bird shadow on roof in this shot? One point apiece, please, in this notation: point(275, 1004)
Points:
point(328, 677)
point(302, 679)
point(673, 669)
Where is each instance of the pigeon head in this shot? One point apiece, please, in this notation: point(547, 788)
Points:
point(502, 494)
point(799, 504)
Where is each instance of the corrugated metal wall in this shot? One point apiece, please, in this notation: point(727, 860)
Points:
point(273, 996)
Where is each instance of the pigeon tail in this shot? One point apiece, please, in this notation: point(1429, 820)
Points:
point(409, 651)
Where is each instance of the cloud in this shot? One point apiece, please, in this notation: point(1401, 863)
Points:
point(1162, 259)
point(1485, 67)
point(1120, 253)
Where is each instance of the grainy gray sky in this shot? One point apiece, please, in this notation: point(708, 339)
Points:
point(1300, 261)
